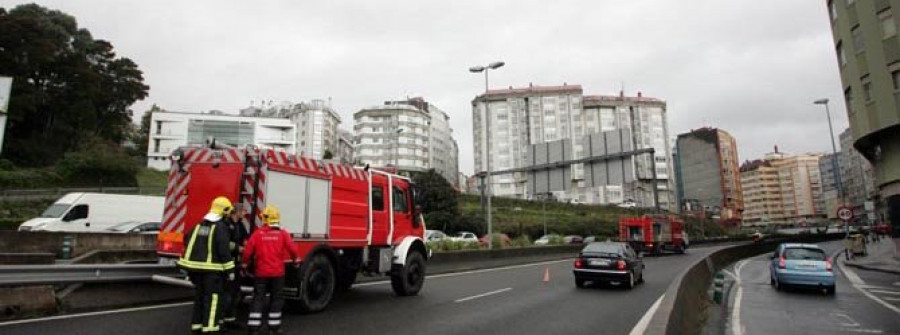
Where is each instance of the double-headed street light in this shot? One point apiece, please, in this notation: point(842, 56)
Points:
point(487, 127)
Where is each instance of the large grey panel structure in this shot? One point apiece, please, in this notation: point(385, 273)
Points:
point(611, 171)
point(551, 179)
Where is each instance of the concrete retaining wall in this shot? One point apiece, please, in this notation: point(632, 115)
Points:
point(680, 311)
point(50, 242)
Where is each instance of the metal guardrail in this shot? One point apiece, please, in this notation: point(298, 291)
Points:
point(54, 193)
point(20, 275)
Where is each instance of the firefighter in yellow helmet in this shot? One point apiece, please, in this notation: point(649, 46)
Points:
point(268, 247)
point(208, 261)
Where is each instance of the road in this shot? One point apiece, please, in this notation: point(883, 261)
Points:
point(865, 302)
point(512, 300)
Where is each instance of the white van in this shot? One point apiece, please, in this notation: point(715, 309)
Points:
point(83, 212)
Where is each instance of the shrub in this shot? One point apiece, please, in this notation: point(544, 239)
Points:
point(29, 178)
point(98, 163)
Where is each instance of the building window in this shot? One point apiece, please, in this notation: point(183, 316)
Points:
point(832, 10)
point(887, 23)
point(850, 2)
point(867, 91)
point(859, 43)
point(895, 76)
point(848, 99)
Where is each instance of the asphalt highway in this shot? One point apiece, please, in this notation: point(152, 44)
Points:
point(511, 300)
point(864, 303)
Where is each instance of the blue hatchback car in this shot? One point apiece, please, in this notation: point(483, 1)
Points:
point(795, 264)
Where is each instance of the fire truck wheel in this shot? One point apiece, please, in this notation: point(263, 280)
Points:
point(317, 284)
point(407, 280)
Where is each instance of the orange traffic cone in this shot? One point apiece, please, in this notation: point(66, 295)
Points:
point(546, 275)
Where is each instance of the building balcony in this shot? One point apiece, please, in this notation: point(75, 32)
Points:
point(277, 140)
point(167, 135)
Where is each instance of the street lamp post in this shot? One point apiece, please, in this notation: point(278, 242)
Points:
point(834, 165)
point(487, 159)
point(396, 151)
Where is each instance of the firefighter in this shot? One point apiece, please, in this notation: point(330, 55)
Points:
point(208, 262)
point(267, 248)
point(237, 230)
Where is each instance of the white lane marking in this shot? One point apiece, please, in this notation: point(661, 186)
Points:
point(885, 292)
point(79, 315)
point(482, 295)
point(867, 331)
point(736, 327)
point(851, 323)
point(850, 274)
point(897, 283)
point(455, 274)
point(890, 299)
point(642, 324)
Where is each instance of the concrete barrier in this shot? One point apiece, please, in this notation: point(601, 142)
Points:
point(28, 300)
point(22, 258)
point(51, 242)
point(680, 311)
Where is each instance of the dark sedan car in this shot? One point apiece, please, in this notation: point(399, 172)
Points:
point(608, 262)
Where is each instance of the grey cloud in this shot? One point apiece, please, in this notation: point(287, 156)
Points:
point(749, 67)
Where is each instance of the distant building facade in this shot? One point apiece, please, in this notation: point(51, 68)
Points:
point(783, 189)
point(316, 122)
point(345, 147)
point(857, 177)
point(521, 117)
point(412, 135)
point(708, 173)
point(170, 130)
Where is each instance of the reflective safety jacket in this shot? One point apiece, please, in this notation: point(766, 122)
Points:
point(207, 248)
point(268, 248)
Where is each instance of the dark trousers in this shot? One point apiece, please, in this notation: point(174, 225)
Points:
point(208, 291)
point(233, 297)
point(261, 287)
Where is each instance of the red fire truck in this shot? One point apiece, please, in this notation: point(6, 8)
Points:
point(344, 220)
point(653, 233)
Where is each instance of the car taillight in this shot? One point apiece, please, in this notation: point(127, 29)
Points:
point(620, 265)
point(781, 264)
point(579, 263)
point(828, 265)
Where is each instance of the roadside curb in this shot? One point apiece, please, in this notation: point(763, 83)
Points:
point(872, 268)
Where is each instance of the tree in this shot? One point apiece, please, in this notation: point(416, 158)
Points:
point(327, 154)
point(141, 134)
point(438, 200)
point(66, 85)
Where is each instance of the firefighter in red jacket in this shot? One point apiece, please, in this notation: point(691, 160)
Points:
point(208, 262)
point(267, 249)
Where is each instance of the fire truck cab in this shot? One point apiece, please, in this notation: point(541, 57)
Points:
point(343, 220)
point(652, 234)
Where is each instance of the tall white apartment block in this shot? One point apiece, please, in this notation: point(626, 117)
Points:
point(316, 122)
point(170, 130)
point(521, 117)
point(412, 135)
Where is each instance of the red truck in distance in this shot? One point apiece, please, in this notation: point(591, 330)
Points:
point(652, 234)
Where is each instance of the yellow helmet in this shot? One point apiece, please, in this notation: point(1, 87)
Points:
point(271, 216)
point(221, 206)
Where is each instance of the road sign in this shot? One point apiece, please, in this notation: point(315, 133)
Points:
point(845, 213)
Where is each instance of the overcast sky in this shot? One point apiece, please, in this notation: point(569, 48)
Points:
point(750, 67)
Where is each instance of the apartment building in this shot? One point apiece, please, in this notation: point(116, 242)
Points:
point(521, 117)
point(170, 130)
point(708, 172)
point(411, 135)
point(783, 189)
